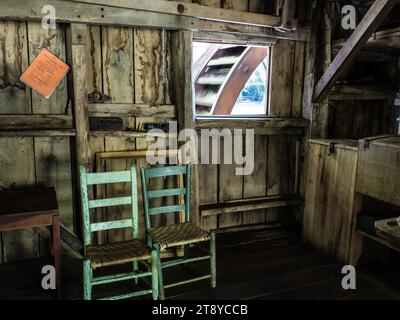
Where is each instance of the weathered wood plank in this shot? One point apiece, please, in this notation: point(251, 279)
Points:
point(37, 133)
point(77, 38)
point(278, 173)
point(255, 185)
point(375, 15)
point(152, 75)
point(330, 214)
point(54, 41)
point(210, 3)
point(35, 122)
point(208, 192)
point(230, 188)
point(298, 79)
point(119, 85)
point(87, 13)
point(17, 160)
point(53, 168)
point(14, 95)
point(17, 170)
point(282, 78)
point(182, 97)
point(158, 111)
point(228, 12)
point(239, 5)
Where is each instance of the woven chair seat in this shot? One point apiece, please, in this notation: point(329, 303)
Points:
point(178, 234)
point(117, 253)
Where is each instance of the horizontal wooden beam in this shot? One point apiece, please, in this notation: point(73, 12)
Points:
point(266, 126)
point(223, 37)
point(131, 110)
point(37, 133)
point(362, 92)
point(90, 13)
point(134, 154)
point(32, 122)
point(193, 10)
point(374, 17)
point(128, 134)
point(250, 204)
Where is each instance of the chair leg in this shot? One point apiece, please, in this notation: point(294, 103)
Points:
point(213, 260)
point(186, 254)
point(87, 280)
point(154, 274)
point(160, 274)
point(136, 269)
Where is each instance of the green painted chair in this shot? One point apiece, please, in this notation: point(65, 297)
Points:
point(111, 254)
point(180, 234)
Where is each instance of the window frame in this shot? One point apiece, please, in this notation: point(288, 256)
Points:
point(230, 39)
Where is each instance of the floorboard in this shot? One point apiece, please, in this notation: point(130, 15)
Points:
point(262, 265)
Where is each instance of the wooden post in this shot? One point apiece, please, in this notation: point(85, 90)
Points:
point(78, 35)
point(77, 59)
point(182, 93)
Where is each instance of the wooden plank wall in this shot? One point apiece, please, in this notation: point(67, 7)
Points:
point(275, 156)
point(127, 65)
point(28, 161)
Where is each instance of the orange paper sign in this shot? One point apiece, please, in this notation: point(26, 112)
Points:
point(45, 73)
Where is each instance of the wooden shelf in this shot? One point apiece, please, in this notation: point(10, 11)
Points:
point(379, 240)
point(262, 126)
point(362, 92)
point(38, 133)
point(251, 204)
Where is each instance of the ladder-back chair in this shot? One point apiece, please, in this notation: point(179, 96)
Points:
point(111, 254)
point(176, 234)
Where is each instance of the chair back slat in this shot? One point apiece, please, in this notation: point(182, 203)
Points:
point(110, 202)
point(109, 225)
point(91, 179)
point(108, 177)
point(182, 193)
point(167, 209)
point(164, 171)
point(166, 193)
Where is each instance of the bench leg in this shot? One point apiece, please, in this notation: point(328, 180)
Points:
point(213, 260)
point(57, 254)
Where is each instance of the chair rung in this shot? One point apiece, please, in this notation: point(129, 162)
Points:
point(110, 202)
point(166, 193)
point(187, 281)
point(166, 209)
point(176, 262)
point(129, 295)
point(119, 277)
point(108, 225)
point(108, 177)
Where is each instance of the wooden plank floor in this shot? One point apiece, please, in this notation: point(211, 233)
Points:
point(266, 265)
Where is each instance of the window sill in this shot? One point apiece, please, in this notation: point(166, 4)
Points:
point(263, 126)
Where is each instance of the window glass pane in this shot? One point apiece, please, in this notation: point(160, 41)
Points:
point(253, 98)
point(221, 79)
